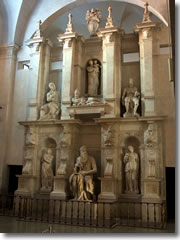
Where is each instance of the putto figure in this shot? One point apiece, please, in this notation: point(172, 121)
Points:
point(93, 18)
point(130, 99)
point(81, 181)
point(51, 110)
point(131, 162)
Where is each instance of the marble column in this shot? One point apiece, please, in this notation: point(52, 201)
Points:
point(111, 69)
point(38, 75)
point(149, 50)
point(8, 57)
point(68, 82)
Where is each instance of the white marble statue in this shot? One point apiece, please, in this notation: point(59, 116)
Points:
point(150, 135)
point(130, 98)
point(51, 109)
point(76, 99)
point(81, 181)
point(47, 171)
point(131, 161)
point(93, 18)
point(93, 70)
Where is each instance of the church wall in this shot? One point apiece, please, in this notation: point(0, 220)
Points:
point(20, 111)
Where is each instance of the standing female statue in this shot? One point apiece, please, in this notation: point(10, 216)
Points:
point(131, 162)
point(47, 171)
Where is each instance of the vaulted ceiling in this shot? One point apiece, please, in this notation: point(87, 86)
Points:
point(18, 18)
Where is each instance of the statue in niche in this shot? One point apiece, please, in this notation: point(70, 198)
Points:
point(81, 181)
point(93, 18)
point(150, 135)
point(108, 134)
point(30, 137)
point(47, 171)
point(130, 99)
point(51, 109)
point(131, 161)
point(93, 70)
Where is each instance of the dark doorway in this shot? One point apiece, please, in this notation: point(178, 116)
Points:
point(170, 192)
point(13, 180)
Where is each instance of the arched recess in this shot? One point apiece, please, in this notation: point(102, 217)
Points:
point(58, 8)
point(77, 3)
point(25, 13)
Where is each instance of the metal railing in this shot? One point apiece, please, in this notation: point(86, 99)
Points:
point(95, 214)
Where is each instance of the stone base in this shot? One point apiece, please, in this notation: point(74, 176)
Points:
point(99, 108)
point(26, 185)
point(151, 188)
point(130, 197)
point(131, 115)
point(107, 190)
point(60, 188)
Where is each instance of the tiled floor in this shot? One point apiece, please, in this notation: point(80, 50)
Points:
point(11, 225)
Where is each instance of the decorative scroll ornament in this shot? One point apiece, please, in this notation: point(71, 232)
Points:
point(93, 18)
point(108, 135)
point(146, 16)
point(109, 22)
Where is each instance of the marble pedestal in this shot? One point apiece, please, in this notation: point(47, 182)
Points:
point(60, 188)
point(26, 185)
point(108, 186)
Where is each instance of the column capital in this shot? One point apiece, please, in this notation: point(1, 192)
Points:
point(8, 50)
point(35, 43)
point(67, 38)
point(108, 34)
point(140, 27)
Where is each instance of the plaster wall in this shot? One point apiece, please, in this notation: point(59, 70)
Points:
point(20, 111)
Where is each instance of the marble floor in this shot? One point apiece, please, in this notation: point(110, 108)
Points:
point(12, 225)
